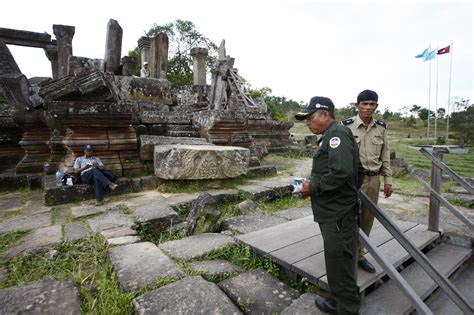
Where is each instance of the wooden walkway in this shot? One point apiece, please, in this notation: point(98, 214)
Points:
point(298, 247)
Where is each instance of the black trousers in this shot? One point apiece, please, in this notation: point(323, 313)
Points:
point(100, 179)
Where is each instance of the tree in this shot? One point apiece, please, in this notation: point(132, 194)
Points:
point(415, 109)
point(183, 36)
point(462, 123)
point(424, 112)
point(346, 111)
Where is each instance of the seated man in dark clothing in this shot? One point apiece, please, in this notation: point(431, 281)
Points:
point(93, 172)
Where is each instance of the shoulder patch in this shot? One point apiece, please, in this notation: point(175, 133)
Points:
point(381, 123)
point(334, 142)
point(347, 121)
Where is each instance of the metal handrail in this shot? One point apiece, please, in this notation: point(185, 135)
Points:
point(419, 257)
point(446, 203)
point(406, 289)
point(461, 181)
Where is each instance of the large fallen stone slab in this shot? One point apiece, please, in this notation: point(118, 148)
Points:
point(259, 292)
point(109, 220)
point(244, 224)
point(26, 223)
point(38, 240)
point(200, 161)
point(141, 265)
point(213, 269)
point(258, 192)
point(304, 305)
point(41, 297)
point(196, 245)
point(148, 142)
point(192, 295)
point(122, 240)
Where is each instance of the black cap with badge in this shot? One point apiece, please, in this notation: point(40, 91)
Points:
point(316, 102)
point(88, 147)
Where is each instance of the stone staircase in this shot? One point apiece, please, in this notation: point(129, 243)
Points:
point(139, 265)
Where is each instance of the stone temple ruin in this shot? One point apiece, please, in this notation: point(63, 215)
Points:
point(46, 121)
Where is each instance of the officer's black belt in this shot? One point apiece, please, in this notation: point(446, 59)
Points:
point(371, 173)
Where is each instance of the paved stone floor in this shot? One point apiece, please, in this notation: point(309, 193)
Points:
point(139, 264)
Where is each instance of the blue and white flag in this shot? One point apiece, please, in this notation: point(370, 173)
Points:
point(430, 55)
point(422, 55)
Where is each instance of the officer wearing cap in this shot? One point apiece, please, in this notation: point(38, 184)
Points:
point(93, 172)
point(371, 137)
point(144, 72)
point(336, 176)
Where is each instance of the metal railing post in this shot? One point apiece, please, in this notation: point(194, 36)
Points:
point(436, 173)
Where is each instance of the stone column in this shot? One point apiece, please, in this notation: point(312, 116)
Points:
point(144, 47)
point(199, 65)
point(113, 47)
point(159, 56)
point(52, 53)
point(128, 65)
point(64, 35)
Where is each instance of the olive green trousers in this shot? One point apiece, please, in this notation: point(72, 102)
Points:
point(371, 186)
point(340, 250)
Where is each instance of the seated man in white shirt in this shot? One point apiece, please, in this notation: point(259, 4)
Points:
point(93, 172)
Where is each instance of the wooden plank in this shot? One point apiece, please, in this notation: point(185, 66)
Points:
point(295, 252)
point(388, 299)
point(381, 236)
point(396, 254)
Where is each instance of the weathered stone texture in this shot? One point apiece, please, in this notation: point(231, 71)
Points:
point(148, 142)
point(37, 241)
point(41, 297)
point(192, 295)
point(113, 46)
point(200, 162)
point(260, 292)
point(196, 245)
point(140, 265)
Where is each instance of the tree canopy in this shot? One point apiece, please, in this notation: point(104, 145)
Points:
point(182, 35)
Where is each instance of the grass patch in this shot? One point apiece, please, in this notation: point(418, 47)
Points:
point(61, 215)
point(84, 262)
point(9, 240)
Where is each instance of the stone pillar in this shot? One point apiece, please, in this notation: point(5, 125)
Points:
point(199, 65)
point(113, 47)
point(159, 56)
point(52, 53)
point(128, 65)
point(64, 35)
point(144, 47)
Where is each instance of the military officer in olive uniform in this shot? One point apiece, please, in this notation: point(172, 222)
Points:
point(371, 137)
point(336, 176)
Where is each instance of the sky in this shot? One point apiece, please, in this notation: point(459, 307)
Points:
point(298, 48)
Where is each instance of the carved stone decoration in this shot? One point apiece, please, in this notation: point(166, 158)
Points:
point(113, 47)
point(200, 161)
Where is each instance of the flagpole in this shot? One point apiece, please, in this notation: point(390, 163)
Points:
point(449, 91)
point(429, 96)
point(436, 102)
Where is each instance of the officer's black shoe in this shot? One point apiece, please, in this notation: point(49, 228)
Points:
point(326, 305)
point(366, 266)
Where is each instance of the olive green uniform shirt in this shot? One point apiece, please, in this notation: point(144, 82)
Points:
point(336, 175)
point(373, 146)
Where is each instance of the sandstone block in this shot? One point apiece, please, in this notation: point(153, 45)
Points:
point(200, 161)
